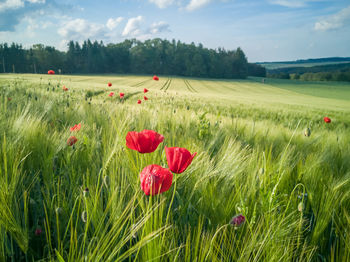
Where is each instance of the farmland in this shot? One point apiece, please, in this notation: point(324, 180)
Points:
point(252, 159)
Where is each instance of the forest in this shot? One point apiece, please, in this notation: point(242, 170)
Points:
point(154, 56)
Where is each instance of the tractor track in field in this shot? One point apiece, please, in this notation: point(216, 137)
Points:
point(141, 83)
point(189, 86)
point(166, 85)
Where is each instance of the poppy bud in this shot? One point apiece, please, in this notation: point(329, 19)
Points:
point(307, 132)
point(301, 207)
point(59, 210)
point(238, 220)
point(38, 231)
point(86, 192)
point(106, 181)
point(84, 216)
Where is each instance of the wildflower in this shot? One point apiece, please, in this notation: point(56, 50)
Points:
point(156, 78)
point(109, 84)
point(65, 88)
point(121, 95)
point(51, 72)
point(75, 127)
point(155, 179)
point(111, 94)
point(178, 158)
point(72, 140)
point(145, 90)
point(238, 220)
point(145, 141)
point(327, 120)
point(139, 101)
point(9, 99)
point(145, 98)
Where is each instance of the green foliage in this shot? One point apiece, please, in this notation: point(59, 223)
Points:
point(255, 160)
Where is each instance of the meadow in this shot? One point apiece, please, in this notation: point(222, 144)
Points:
point(84, 202)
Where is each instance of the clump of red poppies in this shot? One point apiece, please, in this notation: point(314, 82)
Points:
point(154, 178)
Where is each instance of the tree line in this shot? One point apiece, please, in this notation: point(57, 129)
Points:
point(154, 56)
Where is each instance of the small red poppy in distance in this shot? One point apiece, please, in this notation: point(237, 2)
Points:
point(155, 180)
point(65, 88)
point(121, 95)
point(51, 72)
point(72, 140)
point(156, 78)
point(178, 158)
point(111, 94)
point(145, 90)
point(75, 127)
point(327, 119)
point(109, 84)
point(145, 97)
point(38, 231)
point(237, 220)
point(145, 141)
point(139, 101)
point(9, 99)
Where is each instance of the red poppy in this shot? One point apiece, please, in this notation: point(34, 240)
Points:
point(121, 95)
point(75, 127)
point(51, 72)
point(9, 99)
point(178, 158)
point(111, 94)
point(327, 119)
point(155, 78)
point(139, 101)
point(145, 90)
point(72, 140)
point(38, 231)
point(65, 88)
point(109, 84)
point(145, 141)
point(145, 97)
point(155, 180)
point(237, 220)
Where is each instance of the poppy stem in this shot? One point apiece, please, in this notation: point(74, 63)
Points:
point(171, 203)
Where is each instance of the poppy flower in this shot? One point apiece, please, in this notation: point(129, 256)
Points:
point(111, 94)
point(327, 119)
point(65, 88)
point(72, 140)
point(139, 101)
point(156, 78)
point(237, 220)
point(178, 158)
point(145, 90)
point(75, 127)
point(145, 98)
point(155, 180)
point(109, 84)
point(145, 141)
point(9, 99)
point(38, 231)
point(121, 95)
point(51, 72)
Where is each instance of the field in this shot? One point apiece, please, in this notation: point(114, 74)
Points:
point(277, 65)
point(252, 159)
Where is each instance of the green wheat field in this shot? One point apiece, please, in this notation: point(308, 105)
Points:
point(252, 159)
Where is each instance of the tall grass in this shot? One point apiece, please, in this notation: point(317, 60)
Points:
point(293, 190)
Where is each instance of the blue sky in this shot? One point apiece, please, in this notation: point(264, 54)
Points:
point(266, 30)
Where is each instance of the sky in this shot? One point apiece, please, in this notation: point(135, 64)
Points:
point(266, 30)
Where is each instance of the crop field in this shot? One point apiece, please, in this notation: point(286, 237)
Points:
point(270, 180)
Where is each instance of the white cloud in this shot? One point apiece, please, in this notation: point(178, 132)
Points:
point(338, 20)
point(36, 1)
point(293, 3)
point(113, 23)
point(159, 27)
point(11, 4)
point(81, 29)
point(162, 3)
point(195, 4)
point(133, 27)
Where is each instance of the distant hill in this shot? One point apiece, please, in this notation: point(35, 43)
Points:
point(305, 63)
point(319, 67)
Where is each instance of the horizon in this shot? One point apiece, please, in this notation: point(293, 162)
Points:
point(267, 31)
